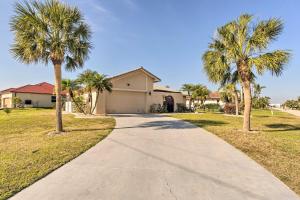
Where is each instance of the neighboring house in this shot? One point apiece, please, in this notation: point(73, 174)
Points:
point(213, 98)
point(38, 95)
point(134, 92)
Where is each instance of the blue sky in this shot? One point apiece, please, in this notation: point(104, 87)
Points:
point(167, 37)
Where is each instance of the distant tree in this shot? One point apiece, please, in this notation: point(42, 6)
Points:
point(51, 31)
point(257, 88)
point(238, 48)
point(200, 92)
point(261, 102)
point(188, 87)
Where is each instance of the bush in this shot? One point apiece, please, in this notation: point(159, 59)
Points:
point(181, 108)
point(158, 108)
point(229, 108)
point(212, 107)
point(17, 101)
point(7, 110)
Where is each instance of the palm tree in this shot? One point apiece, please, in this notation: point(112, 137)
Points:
point(257, 89)
point(189, 88)
point(72, 86)
point(100, 83)
point(54, 32)
point(86, 78)
point(230, 90)
point(200, 92)
point(238, 48)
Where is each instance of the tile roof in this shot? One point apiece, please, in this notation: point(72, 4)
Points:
point(214, 95)
point(40, 88)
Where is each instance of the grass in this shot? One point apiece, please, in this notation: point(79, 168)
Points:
point(28, 153)
point(275, 144)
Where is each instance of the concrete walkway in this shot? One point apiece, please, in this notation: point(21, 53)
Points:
point(151, 157)
point(293, 112)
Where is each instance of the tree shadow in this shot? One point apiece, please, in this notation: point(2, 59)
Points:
point(204, 123)
point(282, 127)
point(179, 124)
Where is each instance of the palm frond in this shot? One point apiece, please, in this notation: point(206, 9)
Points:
point(272, 61)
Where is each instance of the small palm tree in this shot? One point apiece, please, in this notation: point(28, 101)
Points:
point(54, 32)
point(240, 47)
point(72, 86)
point(200, 92)
point(257, 89)
point(189, 88)
point(100, 84)
point(86, 78)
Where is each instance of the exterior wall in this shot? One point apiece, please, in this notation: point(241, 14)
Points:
point(6, 100)
point(136, 81)
point(158, 98)
point(38, 100)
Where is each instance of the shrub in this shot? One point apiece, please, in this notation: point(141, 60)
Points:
point(7, 110)
point(229, 108)
point(181, 108)
point(17, 101)
point(158, 108)
point(212, 107)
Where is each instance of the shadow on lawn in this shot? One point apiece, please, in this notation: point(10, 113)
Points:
point(282, 127)
point(203, 123)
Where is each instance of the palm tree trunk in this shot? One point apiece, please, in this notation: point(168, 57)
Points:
point(97, 96)
point(57, 70)
point(236, 101)
point(190, 101)
point(91, 100)
point(247, 108)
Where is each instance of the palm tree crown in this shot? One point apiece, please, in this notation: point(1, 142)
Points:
point(238, 48)
point(50, 31)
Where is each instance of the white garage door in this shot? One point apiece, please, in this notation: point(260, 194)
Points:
point(126, 102)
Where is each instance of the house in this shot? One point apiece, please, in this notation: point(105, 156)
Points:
point(134, 92)
point(38, 95)
point(213, 98)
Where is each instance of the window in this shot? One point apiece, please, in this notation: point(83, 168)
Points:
point(53, 99)
point(27, 102)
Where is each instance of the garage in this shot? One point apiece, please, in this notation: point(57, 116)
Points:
point(126, 102)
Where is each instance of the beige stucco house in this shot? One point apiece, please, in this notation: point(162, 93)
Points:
point(134, 92)
point(37, 95)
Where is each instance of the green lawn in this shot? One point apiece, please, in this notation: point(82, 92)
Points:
point(275, 144)
point(28, 153)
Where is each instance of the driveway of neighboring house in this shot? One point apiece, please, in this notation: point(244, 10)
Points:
point(159, 158)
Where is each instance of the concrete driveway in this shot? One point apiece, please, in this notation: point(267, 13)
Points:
point(159, 158)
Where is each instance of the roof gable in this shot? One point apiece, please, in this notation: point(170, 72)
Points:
point(156, 79)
